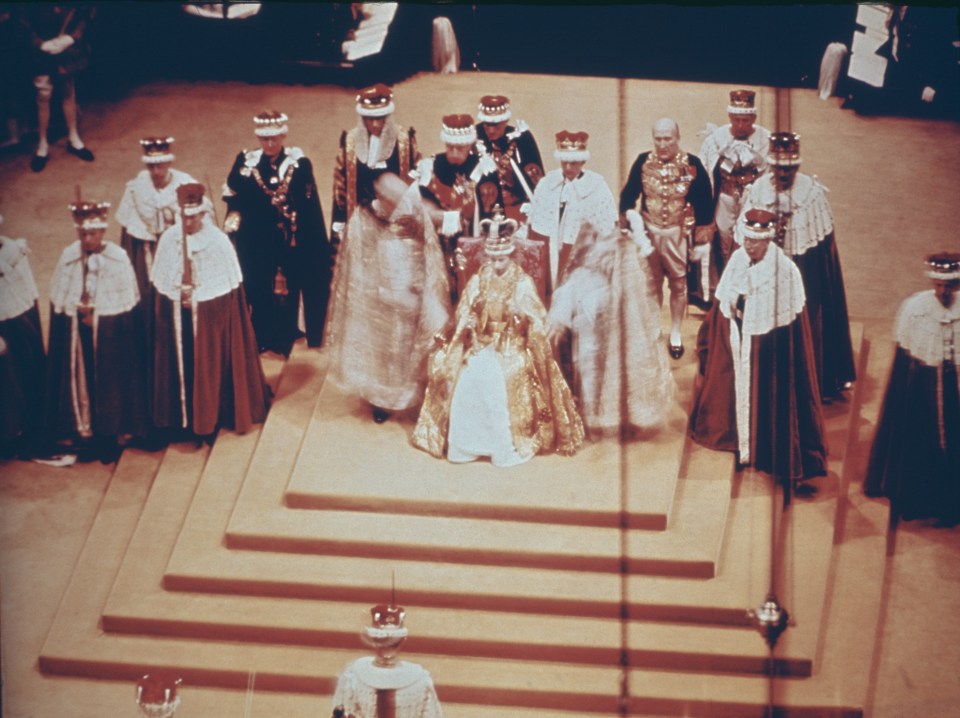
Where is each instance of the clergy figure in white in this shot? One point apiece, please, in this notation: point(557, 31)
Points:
point(568, 197)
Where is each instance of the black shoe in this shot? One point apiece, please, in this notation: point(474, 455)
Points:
point(110, 453)
point(38, 162)
point(700, 304)
point(804, 489)
point(83, 153)
point(380, 415)
point(675, 351)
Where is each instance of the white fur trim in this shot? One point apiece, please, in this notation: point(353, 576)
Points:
point(930, 274)
point(810, 216)
point(494, 119)
point(270, 131)
point(18, 291)
point(774, 296)
point(773, 289)
point(157, 159)
point(451, 138)
point(731, 110)
point(216, 270)
point(376, 111)
point(788, 162)
point(924, 327)
point(110, 281)
point(572, 155)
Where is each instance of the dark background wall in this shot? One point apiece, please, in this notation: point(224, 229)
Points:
point(765, 45)
point(299, 42)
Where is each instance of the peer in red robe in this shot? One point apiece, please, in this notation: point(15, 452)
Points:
point(207, 371)
point(757, 393)
point(915, 459)
point(96, 390)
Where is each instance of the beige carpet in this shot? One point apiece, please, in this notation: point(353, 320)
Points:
point(893, 186)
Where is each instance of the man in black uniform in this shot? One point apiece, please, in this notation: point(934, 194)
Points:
point(668, 196)
point(275, 220)
point(447, 189)
point(510, 165)
point(376, 145)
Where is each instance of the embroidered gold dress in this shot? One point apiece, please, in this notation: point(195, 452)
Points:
point(494, 389)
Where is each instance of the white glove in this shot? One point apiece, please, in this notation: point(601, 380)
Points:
point(638, 231)
point(57, 45)
point(928, 94)
point(635, 221)
point(336, 232)
point(451, 224)
point(486, 165)
point(699, 252)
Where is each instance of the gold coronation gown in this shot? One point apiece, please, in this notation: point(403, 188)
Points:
point(494, 388)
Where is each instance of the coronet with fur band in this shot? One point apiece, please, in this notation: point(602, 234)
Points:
point(572, 146)
point(270, 124)
point(89, 215)
point(742, 102)
point(759, 224)
point(156, 150)
point(944, 266)
point(190, 198)
point(386, 624)
point(375, 101)
point(494, 109)
point(784, 149)
point(458, 130)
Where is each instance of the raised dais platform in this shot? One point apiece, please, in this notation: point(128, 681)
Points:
point(484, 628)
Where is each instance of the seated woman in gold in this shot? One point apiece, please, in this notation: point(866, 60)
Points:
point(494, 389)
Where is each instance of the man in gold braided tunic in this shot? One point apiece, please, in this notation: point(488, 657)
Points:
point(494, 389)
point(668, 197)
point(375, 146)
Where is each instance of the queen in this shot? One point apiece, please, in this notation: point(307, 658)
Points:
point(494, 389)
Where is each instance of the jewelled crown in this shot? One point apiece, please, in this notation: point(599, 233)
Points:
point(759, 224)
point(497, 233)
point(742, 102)
point(190, 198)
point(493, 109)
point(572, 146)
point(156, 150)
point(270, 123)
point(375, 101)
point(784, 148)
point(158, 688)
point(944, 266)
point(386, 625)
point(458, 130)
point(89, 215)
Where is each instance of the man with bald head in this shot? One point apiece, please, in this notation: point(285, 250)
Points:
point(668, 197)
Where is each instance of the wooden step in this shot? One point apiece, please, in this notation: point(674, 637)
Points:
point(388, 475)
point(655, 692)
point(688, 551)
